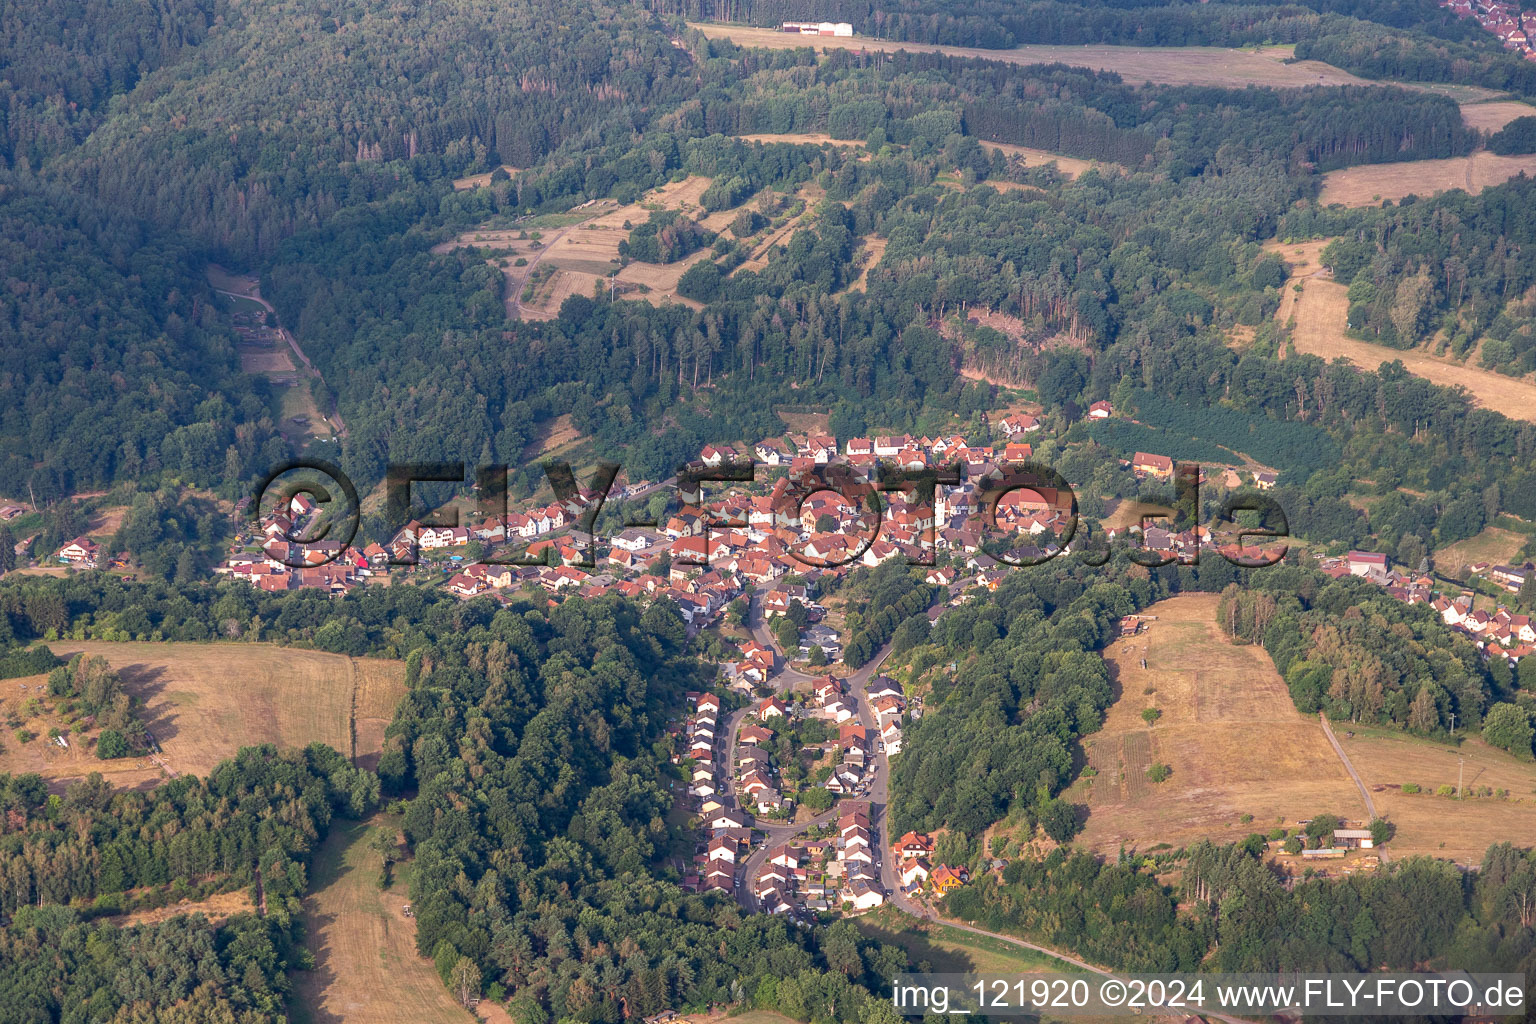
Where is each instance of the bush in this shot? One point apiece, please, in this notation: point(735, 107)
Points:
point(1410, 788)
point(1059, 819)
point(1159, 772)
point(700, 282)
point(111, 745)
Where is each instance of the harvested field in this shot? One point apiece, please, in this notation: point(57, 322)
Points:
point(1320, 313)
point(661, 279)
point(1440, 826)
point(584, 249)
point(202, 702)
point(1228, 730)
point(1160, 65)
point(545, 304)
point(1492, 116)
point(1370, 184)
point(367, 970)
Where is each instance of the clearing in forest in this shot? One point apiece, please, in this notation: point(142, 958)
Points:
point(1069, 166)
point(1321, 312)
point(203, 702)
point(367, 970)
point(801, 138)
point(582, 250)
point(1235, 743)
point(480, 180)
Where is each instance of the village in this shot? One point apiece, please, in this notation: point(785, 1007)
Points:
point(1516, 29)
point(787, 539)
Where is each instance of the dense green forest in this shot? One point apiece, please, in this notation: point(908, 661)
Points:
point(107, 334)
point(55, 966)
point(339, 209)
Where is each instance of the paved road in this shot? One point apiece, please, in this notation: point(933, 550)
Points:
point(878, 793)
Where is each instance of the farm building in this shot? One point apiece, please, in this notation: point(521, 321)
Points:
point(817, 28)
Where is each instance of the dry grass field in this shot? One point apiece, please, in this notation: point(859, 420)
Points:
point(1494, 544)
point(1161, 65)
point(1369, 184)
point(1436, 825)
point(1495, 114)
point(868, 255)
point(1320, 314)
point(1228, 730)
point(1192, 65)
point(203, 702)
point(25, 701)
point(367, 970)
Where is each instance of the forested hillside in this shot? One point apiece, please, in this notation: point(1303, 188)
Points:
point(283, 117)
point(115, 362)
point(61, 62)
point(268, 141)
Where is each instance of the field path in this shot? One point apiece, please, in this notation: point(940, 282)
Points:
point(515, 302)
point(1333, 741)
